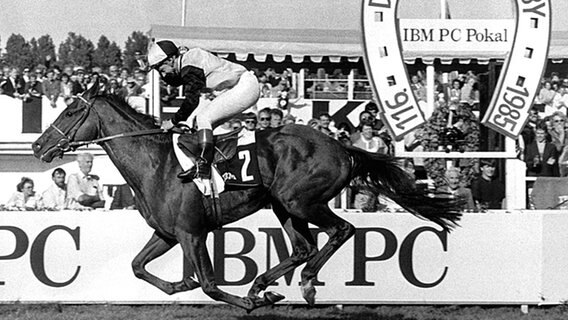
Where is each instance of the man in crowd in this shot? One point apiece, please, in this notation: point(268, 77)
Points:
point(51, 87)
point(250, 121)
point(83, 189)
point(367, 141)
point(264, 119)
point(488, 193)
point(276, 116)
point(55, 196)
point(13, 85)
point(325, 121)
point(541, 156)
point(373, 109)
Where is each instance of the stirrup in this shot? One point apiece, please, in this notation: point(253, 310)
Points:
point(187, 174)
point(202, 169)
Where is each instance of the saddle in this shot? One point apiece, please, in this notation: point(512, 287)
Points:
point(239, 171)
point(225, 146)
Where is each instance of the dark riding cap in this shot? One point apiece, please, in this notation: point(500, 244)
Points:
point(160, 51)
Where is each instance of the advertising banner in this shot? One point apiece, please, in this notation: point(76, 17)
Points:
point(447, 37)
point(495, 258)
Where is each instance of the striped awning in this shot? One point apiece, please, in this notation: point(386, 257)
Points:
point(315, 44)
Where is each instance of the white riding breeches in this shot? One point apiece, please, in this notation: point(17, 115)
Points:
point(242, 96)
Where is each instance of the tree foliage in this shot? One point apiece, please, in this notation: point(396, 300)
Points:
point(76, 50)
point(45, 49)
point(18, 52)
point(137, 42)
point(34, 51)
point(107, 53)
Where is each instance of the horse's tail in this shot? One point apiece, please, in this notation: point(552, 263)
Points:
point(382, 173)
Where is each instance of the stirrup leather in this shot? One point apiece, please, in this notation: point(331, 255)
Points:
point(202, 168)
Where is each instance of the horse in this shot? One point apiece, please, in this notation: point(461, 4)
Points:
point(301, 169)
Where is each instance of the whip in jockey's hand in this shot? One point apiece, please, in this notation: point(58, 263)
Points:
point(201, 71)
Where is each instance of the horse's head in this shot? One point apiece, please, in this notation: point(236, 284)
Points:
point(75, 123)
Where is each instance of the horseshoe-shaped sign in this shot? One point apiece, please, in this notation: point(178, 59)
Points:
point(516, 88)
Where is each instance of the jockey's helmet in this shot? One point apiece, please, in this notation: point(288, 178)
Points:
point(160, 51)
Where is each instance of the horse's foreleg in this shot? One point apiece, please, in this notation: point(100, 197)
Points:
point(156, 247)
point(303, 248)
point(195, 249)
point(339, 231)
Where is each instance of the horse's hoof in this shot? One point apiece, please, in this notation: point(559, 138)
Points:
point(248, 304)
point(309, 294)
point(273, 297)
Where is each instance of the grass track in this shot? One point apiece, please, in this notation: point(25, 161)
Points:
point(282, 312)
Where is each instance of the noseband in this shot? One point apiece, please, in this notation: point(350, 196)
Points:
point(65, 144)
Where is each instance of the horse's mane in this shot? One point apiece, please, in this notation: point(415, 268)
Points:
point(122, 105)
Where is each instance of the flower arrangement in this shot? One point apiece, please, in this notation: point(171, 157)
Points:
point(464, 120)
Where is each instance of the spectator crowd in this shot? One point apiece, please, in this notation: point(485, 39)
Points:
point(66, 83)
point(80, 190)
point(542, 144)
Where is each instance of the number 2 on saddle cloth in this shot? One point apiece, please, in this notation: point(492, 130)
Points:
point(235, 157)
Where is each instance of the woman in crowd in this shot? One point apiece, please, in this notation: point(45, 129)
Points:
point(559, 137)
point(454, 187)
point(455, 93)
point(469, 92)
point(66, 90)
point(25, 197)
point(546, 97)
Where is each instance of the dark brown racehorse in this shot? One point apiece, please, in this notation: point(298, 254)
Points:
point(302, 170)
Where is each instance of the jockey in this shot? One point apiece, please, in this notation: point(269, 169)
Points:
point(235, 90)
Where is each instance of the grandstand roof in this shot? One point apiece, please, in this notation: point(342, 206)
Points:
point(313, 43)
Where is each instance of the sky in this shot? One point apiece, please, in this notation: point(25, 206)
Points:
point(117, 19)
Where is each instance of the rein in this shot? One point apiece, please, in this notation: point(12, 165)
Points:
point(120, 135)
point(66, 145)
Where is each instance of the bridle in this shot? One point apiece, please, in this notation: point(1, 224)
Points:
point(66, 142)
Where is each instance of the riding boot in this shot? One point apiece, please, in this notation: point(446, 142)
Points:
point(202, 168)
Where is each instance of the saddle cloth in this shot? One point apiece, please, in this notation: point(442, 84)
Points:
point(235, 163)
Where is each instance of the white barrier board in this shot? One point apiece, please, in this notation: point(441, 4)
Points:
point(493, 258)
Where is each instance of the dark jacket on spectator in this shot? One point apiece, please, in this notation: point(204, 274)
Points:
point(542, 168)
point(52, 89)
point(490, 194)
point(11, 86)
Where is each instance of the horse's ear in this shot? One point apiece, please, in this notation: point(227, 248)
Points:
point(92, 91)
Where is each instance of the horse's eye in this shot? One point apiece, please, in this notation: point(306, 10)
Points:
point(69, 113)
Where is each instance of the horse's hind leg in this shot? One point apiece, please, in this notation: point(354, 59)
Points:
point(339, 231)
point(303, 248)
point(156, 247)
